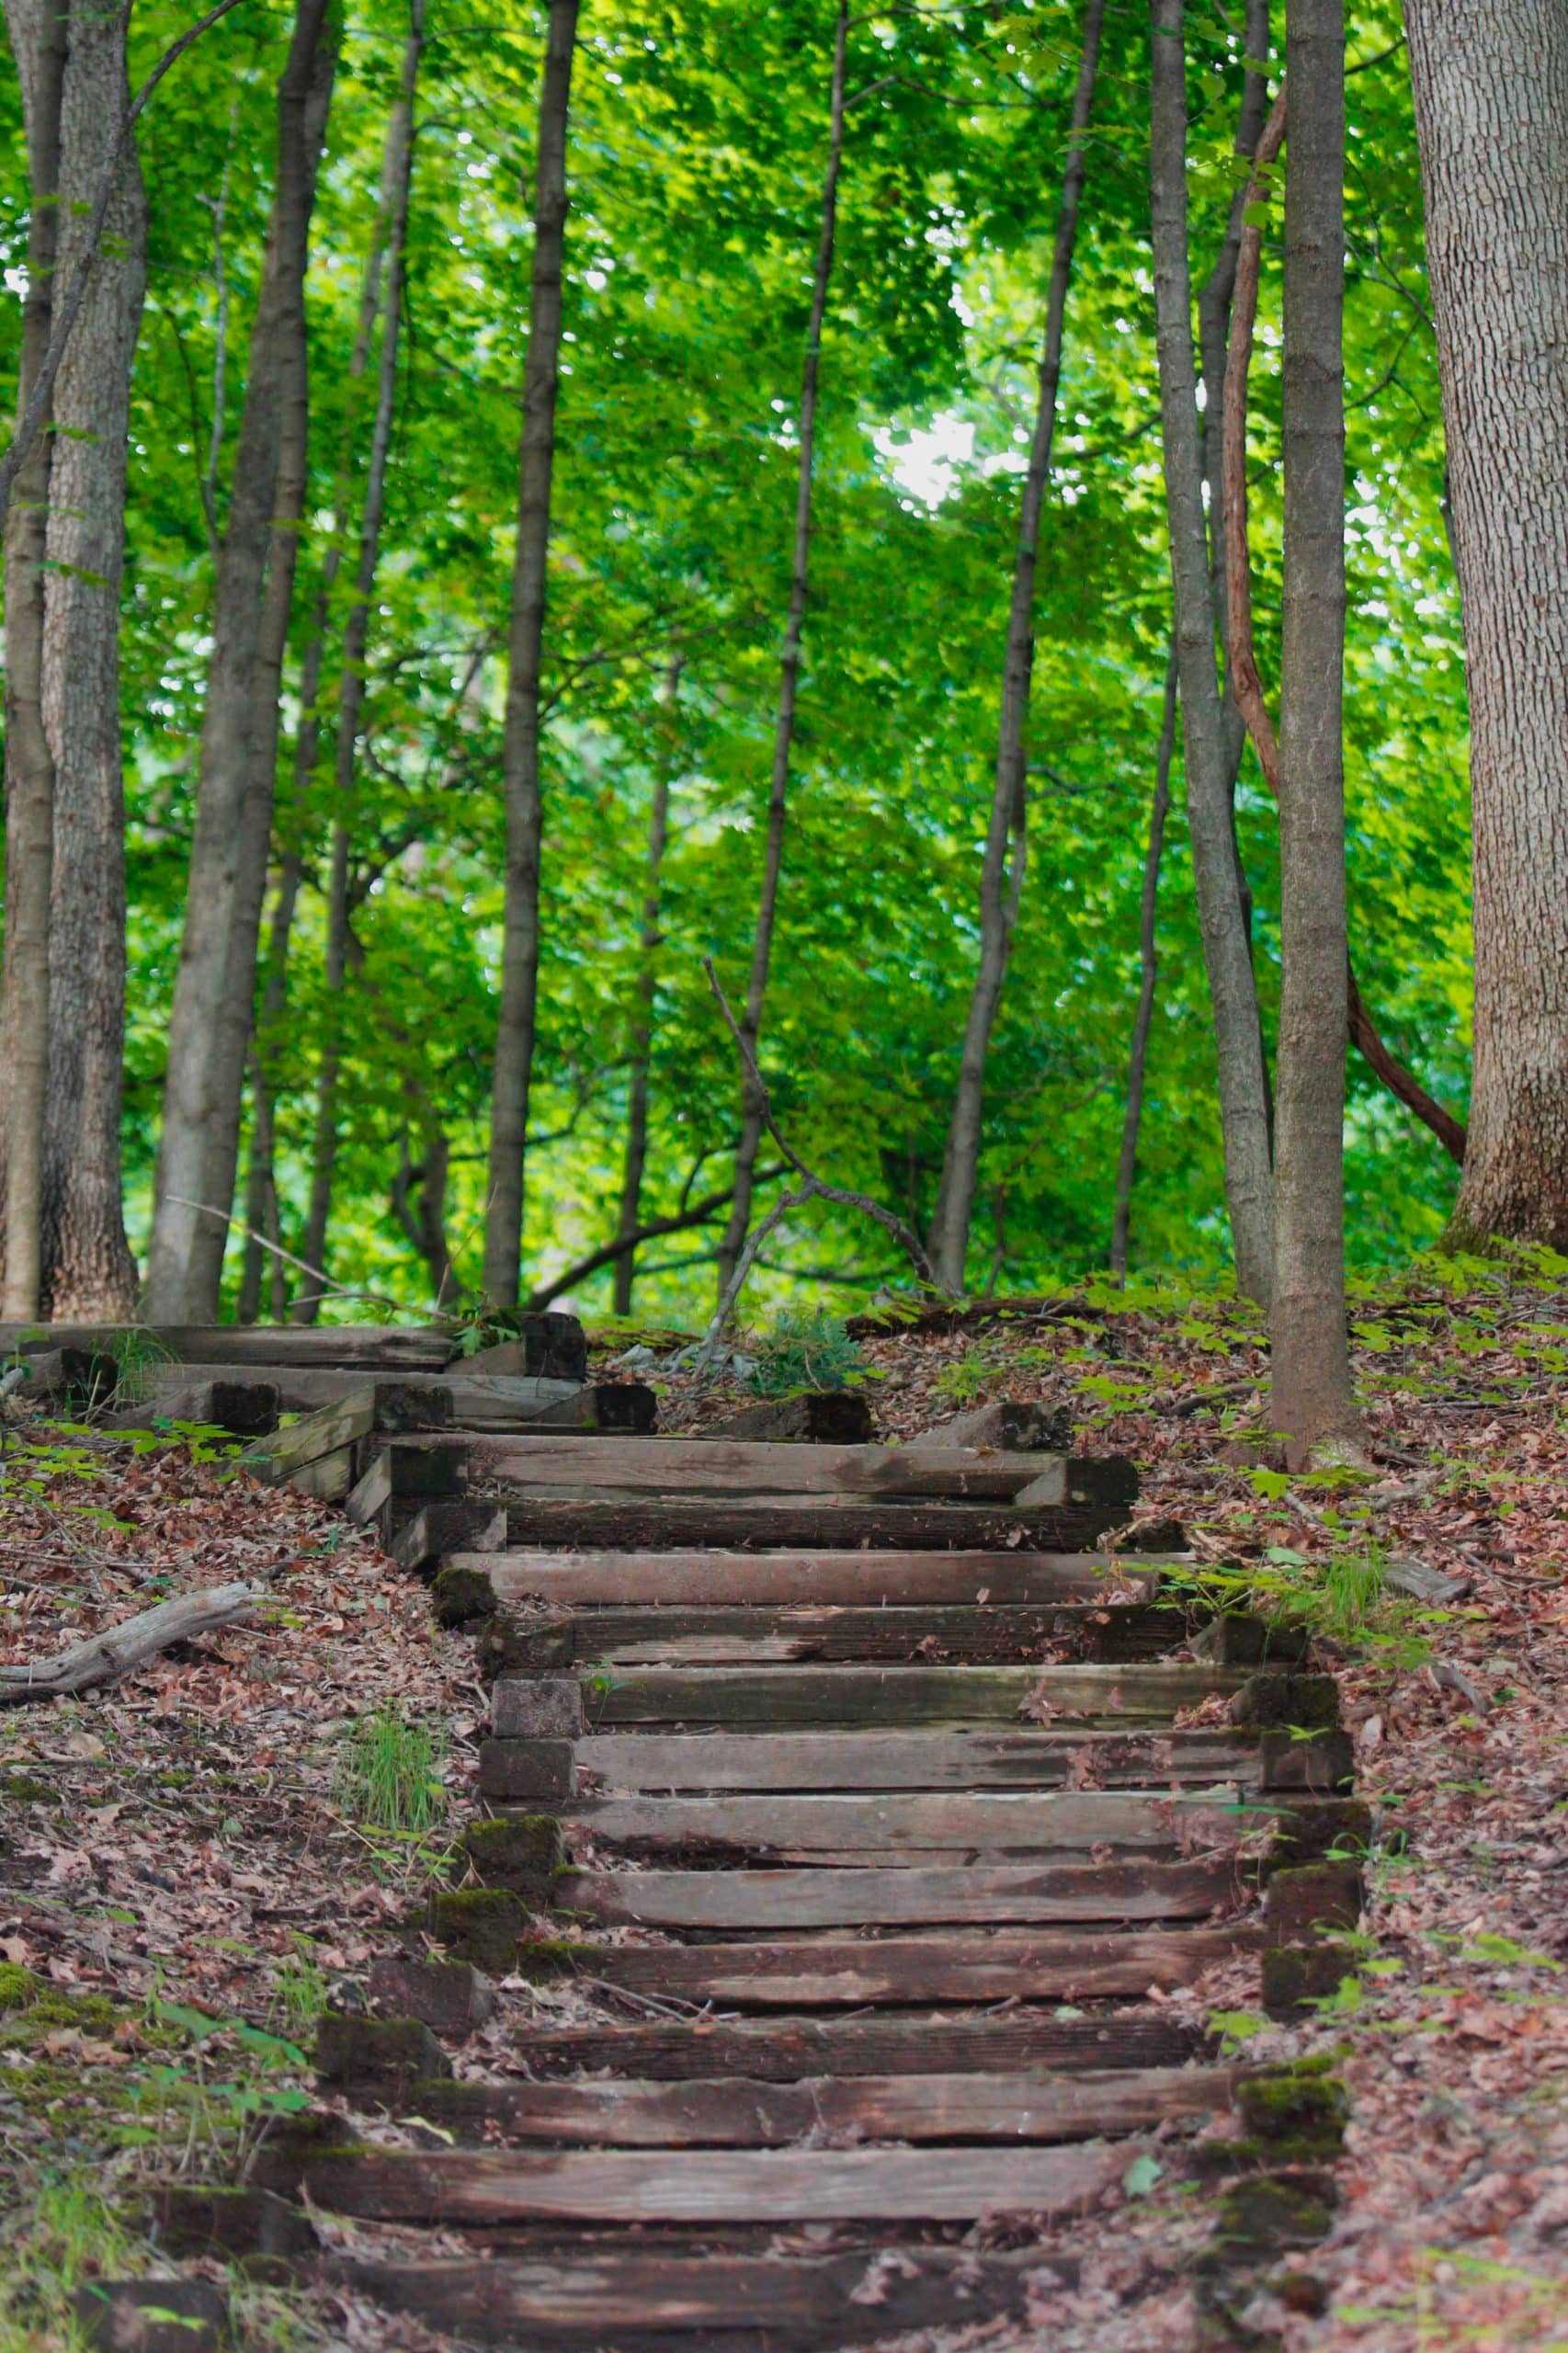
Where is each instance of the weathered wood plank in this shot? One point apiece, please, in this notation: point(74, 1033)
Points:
point(733, 1467)
point(329, 1477)
point(391, 1407)
point(374, 1347)
point(1015, 1425)
point(812, 1417)
point(731, 2112)
point(820, 1575)
point(479, 1402)
point(693, 1636)
point(488, 2189)
point(581, 2300)
point(1031, 1759)
point(997, 1823)
point(827, 1972)
point(782, 2049)
point(889, 1695)
point(404, 1467)
point(938, 1894)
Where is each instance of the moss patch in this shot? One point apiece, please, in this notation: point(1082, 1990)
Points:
point(480, 1924)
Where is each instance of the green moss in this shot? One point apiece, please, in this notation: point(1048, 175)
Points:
point(460, 1595)
point(1308, 1701)
point(548, 1956)
point(517, 1851)
point(480, 1924)
point(88, 2013)
point(1295, 1975)
point(26, 1789)
point(1307, 2109)
point(1272, 2214)
point(20, 1989)
point(504, 1644)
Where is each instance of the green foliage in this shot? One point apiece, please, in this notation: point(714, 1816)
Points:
point(804, 1349)
point(388, 1775)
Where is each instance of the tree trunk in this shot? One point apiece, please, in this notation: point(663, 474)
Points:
point(789, 674)
point(999, 891)
point(38, 30)
point(1148, 957)
point(513, 1073)
point(1491, 84)
point(643, 1021)
point(1244, 1079)
point(223, 899)
point(1310, 1392)
point(87, 1272)
point(397, 185)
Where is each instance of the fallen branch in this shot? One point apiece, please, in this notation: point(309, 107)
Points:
point(811, 1188)
point(104, 1659)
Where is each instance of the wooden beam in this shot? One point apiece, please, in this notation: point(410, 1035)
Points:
point(814, 1575)
point(732, 1468)
point(972, 1893)
point(996, 1823)
point(735, 1635)
point(776, 1698)
point(782, 2049)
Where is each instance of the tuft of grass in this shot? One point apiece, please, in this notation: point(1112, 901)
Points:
point(1354, 1589)
point(388, 1774)
point(804, 1350)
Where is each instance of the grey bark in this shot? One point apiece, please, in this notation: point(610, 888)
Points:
point(753, 1101)
point(630, 1218)
point(87, 1272)
point(224, 894)
point(1149, 967)
point(1242, 1076)
point(513, 1074)
point(397, 185)
point(1311, 1364)
point(999, 893)
point(1491, 85)
point(38, 30)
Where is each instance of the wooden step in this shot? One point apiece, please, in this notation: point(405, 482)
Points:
point(554, 1520)
point(782, 2049)
point(827, 1972)
point(586, 2297)
point(1043, 1758)
point(980, 1893)
point(776, 1698)
point(732, 1468)
point(996, 1823)
point(479, 2190)
point(739, 1636)
point(713, 2112)
point(812, 1577)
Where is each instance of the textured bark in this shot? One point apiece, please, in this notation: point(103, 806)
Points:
point(513, 1075)
point(397, 187)
point(1310, 1392)
point(1246, 685)
point(1149, 962)
point(38, 30)
point(1243, 1080)
point(631, 1216)
point(1491, 84)
point(223, 899)
point(752, 1106)
point(88, 1267)
point(999, 891)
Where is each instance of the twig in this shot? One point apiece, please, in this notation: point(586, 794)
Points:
point(104, 1659)
point(332, 1291)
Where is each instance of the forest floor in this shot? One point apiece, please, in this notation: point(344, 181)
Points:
point(187, 1875)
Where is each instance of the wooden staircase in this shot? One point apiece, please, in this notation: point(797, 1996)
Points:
point(854, 1858)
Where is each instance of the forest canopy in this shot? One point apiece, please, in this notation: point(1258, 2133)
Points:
point(695, 149)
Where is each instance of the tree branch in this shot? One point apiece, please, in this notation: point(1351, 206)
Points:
point(104, 1659)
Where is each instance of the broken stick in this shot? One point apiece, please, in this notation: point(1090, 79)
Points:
point(104, 1659)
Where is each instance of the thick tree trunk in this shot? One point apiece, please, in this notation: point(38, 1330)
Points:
point(1311, 1401)
point(948, 1241)
point(1243, 1078)
point(38, 30)
point(397, 185)
point(789, 674)
point(1147, 957)
point(631, 1216)
point(1491, 84)
point(513, 1074)
point(223, 899)
point(87, 1272)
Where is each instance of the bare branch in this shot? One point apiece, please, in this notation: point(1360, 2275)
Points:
point(104, 1659)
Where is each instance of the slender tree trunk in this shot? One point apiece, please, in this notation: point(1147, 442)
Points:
point(1147, 957)
point(38, 30)
point(261, 1184)
point(419, 1203)
point(1491, 84)
point(789, 674)
point(513, 1074)
point(948, 1243)
point(1243, 1078)
point(1312, 1400)
point(642, 1020)
point(87, 1268)
point(397, 185)
point(218, 943)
